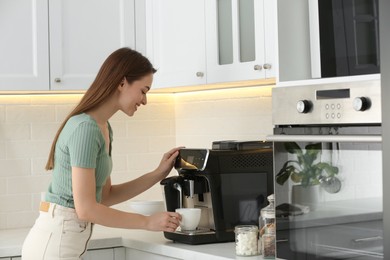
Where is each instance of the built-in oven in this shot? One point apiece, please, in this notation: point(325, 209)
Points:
point(328, 171)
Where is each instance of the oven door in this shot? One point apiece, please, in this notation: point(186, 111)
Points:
point(328, 192)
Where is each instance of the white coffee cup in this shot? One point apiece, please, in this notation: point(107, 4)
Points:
point(190, 218)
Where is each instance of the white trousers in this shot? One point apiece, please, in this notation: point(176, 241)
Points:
point(57, 234)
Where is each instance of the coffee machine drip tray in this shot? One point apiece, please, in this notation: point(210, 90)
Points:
point(194, 237)
point(198, 231)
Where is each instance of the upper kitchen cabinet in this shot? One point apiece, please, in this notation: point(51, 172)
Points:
point(240, 40)
point(82, 35)
point(171, 35)
point(24, 56)
point(197, 42)
point(60, 44)
point(328, 39)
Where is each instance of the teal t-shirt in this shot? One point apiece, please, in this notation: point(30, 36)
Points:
point(80, 144)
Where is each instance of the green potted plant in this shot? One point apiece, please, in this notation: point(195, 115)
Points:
point(306, 169)
point(309, 174)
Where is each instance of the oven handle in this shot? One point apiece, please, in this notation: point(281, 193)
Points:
point(325, 138)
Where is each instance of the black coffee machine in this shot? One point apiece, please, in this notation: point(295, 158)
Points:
point(229, 183)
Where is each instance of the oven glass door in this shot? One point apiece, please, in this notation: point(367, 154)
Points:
point(328, 192)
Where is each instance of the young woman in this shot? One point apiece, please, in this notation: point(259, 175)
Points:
point(80, 192)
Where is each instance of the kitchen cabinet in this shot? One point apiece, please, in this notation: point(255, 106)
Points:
point(349, 36)
point(207, 42)
point(24, 49)
point(143, 255)
point(60, 44)
point(117, 253)
point(240, 40)
point(173, 38)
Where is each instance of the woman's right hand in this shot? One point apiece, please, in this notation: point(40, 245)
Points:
point(167, 162)
point(163, 221)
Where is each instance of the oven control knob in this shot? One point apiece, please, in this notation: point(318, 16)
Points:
point(361, 103)
point(303, 106)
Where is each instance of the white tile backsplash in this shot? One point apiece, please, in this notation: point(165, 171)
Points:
point(15, 167)
point(30, 113)
point(2, 114)
point(2, 148)
point(15, 202)
point(235, 114)
point(3, 186)
point(16, 131)
point(29, 123)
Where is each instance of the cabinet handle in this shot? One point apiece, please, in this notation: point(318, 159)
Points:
point(257, 67)
point(200, 74)
point(267, 66)
point(57, 80)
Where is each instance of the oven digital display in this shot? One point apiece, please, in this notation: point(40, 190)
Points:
point(333, 94)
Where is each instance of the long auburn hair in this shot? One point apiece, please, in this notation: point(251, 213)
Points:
point(122, 63)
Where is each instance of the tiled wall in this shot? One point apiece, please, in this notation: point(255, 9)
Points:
point(234, 114)
point(28, 124)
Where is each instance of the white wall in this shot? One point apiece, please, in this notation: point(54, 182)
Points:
point(28, 124)
point(232, 114)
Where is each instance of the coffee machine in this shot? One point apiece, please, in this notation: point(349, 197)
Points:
point(229, 183)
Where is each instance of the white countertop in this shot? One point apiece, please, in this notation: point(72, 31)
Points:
point(154, 242)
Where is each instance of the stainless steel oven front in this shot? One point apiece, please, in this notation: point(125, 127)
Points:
point(328, 171)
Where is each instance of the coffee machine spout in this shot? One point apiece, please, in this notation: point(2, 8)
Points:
point(177, 186)
point(191, 188)
point(172, 187)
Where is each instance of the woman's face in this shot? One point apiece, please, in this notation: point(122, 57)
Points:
point(134, 95)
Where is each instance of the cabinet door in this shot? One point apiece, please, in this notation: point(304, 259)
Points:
point(270, 65)
point(362, 36)
point(24, 59)
point(235, 40)
point(142, 255)
point(82, 35)
point(175, 41)
point(99, 254)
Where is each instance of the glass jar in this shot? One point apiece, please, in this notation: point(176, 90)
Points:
point(247, 240)
point(267, 229)
point(268, 246)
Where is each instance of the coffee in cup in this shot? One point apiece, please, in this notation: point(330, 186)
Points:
point(190, 218)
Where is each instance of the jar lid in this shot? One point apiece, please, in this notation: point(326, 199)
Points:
point(248, 228)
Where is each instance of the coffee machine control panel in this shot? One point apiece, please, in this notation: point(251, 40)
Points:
point(192, 159)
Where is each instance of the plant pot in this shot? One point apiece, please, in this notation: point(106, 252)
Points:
point(306, 196)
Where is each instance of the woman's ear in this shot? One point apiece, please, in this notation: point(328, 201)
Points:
point(121, 85)
point(122, 82)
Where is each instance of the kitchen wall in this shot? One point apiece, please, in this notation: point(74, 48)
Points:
point(29, 122)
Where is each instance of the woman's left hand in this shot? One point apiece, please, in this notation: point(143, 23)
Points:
point(168, 161)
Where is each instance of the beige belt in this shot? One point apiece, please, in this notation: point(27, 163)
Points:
point(44, 206)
